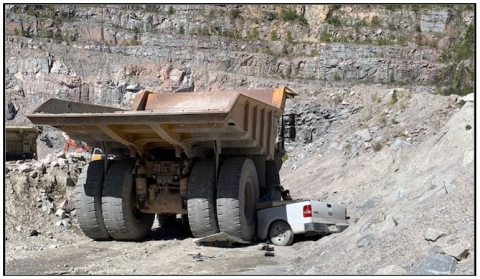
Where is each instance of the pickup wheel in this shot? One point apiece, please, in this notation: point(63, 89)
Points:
point(88, 201)
point(280, 233)
point(237, 195)
point(202, 215)
point(124, 221)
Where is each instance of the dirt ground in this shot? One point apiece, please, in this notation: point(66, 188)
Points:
point(167, 251)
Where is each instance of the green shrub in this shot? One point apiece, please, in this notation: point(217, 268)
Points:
point(49, 34)
point(335, 21)
point(235, 13)
point(337, 77)
point(465, 51)
point(324, 36)
point(401, 41)
point(31, 11)
point(287, 15)
point(136, 30)
point(254, 33)
point(394, 98)
point(313, 52)
point(377, 146)
point(418, 28)
point(289, 37)
point(15, 31)
point(170, 10)
point(273, 35)
point(284, 50)
point(375, 21)
point(269, 16)
point(468, 127)
point(181, 30)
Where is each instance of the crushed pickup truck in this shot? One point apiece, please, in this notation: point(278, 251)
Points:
point(279, 221)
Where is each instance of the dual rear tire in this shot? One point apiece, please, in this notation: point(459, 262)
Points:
point(230, 207)
point(106, 205)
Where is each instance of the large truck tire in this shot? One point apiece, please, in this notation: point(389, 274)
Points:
point(124, 221)
point(237, 195)
point(202, 215)
point(88, 201)
point(166, 220)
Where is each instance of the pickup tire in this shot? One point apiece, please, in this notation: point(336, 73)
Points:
point(280, 233)
point(202, 215)
point(88, 201)
point(237, 195)
point(166, 220)
point(124, 221)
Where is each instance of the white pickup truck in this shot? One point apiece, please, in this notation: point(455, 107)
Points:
point(279, 221)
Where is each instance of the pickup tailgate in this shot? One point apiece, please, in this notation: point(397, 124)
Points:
point(328, 213)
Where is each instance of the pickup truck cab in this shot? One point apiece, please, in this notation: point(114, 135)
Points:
point(279, 221)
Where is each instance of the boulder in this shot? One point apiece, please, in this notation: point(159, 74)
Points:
point(364, 135)
point(24, 168)
point(176, 75)
point(61, 154)
point(365, 240)
point(459, 250)
point(436, 264)
point(311, 271)
point(433, 234)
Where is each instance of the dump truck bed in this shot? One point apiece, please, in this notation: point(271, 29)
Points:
point(240, 122)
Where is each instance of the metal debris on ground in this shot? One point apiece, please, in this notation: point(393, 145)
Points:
point(200, 258)
point(269, 254)
point(267, 248)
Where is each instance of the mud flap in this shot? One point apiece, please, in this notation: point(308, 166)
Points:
point(220, 239)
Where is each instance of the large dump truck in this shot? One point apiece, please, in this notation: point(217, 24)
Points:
point(209, 156)
point(20, 142)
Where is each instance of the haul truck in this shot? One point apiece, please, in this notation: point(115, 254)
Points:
point(21, 142)
point(208, 156)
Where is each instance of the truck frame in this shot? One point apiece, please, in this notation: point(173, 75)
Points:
point(209, 156)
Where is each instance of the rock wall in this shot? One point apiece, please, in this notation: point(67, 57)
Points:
point(105, 54)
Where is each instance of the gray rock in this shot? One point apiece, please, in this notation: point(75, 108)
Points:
point(397, 194)
point(33, 174)
point(133, 87)
point(365, 240)
point(370, 203)
point(60, 213)
point(176, 75)
point(364, 135)
point(311, 271)
point(436, 264)
point(24, 168)
point(459, 250)
point(399, 143)
point(391, 270)
point(61, 154)
point(69, 182)
point(436, 250)
point(433, 234)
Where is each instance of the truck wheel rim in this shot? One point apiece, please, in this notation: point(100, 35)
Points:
point(279, 233)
